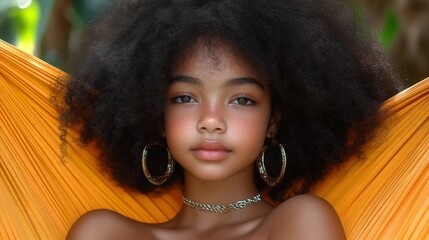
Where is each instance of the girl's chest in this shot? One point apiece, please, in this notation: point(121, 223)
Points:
point(254, 230)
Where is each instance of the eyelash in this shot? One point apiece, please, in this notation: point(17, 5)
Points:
point(183, 99)
point(249, 101)
point(179, 99)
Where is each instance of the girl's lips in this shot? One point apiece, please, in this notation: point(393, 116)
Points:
point(210, 151)
point(210, 155)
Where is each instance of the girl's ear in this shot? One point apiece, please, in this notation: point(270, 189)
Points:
point(274, 123)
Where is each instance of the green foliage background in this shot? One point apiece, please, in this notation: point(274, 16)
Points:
point(25, 27)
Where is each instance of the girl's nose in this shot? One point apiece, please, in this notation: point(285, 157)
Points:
point(212, 120)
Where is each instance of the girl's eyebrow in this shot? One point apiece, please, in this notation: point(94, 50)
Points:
point(244, 81)
point(230, 82)
point(186, 79)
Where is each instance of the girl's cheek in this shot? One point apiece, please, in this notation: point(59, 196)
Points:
point(178, 119)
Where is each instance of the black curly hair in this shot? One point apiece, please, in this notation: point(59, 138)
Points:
point(327, 76)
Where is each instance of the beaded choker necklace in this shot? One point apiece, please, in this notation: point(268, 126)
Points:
point(222, 208)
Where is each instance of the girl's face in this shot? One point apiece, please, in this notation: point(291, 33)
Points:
point(217, 114)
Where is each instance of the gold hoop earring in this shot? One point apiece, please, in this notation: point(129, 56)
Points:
point(170, 166)
point(261, 165)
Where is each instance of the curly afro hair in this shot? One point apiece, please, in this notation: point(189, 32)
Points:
point(327, 77)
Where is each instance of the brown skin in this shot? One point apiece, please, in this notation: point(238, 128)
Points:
point(301, 217)
point(237, 115)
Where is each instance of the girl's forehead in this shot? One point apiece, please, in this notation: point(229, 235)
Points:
point(216, 68)
point(216, 56)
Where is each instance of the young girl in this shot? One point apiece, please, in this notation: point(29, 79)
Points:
point(245, 104)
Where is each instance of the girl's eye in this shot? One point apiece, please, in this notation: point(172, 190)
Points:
point(184, 99)
point(243, 101)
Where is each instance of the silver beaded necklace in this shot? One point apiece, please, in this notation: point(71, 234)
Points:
point(240, 204)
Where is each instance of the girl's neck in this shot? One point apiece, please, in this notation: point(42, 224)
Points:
point(221, 192)
point(237, 187)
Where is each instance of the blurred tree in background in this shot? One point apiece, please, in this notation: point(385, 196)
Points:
point(404, 31)
point(19, 23)
point(51, 29)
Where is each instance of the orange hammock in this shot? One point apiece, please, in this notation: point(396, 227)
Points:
point(385, 196)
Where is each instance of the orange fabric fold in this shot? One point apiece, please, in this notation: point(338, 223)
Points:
point(384, 196)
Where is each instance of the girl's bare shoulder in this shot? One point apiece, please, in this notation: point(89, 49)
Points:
point(301, 217)
point(105, 224)
point(305, 217)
